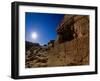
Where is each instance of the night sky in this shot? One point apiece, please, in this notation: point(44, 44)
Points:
point(43, 24)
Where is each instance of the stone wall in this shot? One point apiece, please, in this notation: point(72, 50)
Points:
point(72, 43)
point(72, 26)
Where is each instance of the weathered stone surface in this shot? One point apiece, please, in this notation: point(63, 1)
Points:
point(76, 50)
point(72, 27)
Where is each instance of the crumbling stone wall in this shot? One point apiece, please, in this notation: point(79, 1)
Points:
point(72, 26)
point(65, 30)
point(81, 25)
point(72, 43)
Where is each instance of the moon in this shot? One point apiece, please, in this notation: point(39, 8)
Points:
point(34, 35)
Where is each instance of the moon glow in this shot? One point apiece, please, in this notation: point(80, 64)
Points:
point(34, 35)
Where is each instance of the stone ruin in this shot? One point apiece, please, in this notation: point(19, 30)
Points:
point(70, 48)
point(72, 26)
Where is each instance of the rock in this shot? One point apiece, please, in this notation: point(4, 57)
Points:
point(28, 52)
point(43, 65)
